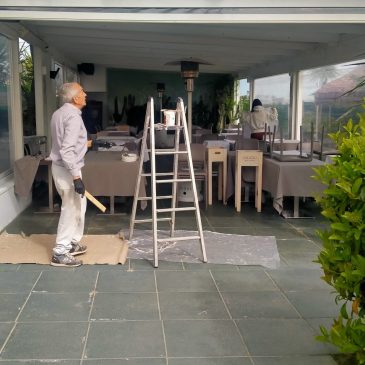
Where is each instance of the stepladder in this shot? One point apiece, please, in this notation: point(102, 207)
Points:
point(176, 128)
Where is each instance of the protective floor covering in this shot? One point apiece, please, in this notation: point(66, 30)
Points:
point(221, 248)
point(37, 249)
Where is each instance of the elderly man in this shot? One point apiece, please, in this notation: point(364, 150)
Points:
point(69, 145)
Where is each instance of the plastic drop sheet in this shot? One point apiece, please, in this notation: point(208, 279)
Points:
point(221, 248)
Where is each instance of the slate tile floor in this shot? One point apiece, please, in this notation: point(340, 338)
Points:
point(178, 314)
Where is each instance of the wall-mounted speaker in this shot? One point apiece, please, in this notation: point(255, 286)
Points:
point(86, 68)
point(53, 74)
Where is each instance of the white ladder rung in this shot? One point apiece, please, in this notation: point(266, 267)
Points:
point(160, 197)
point(169, 239)
point(167, 210)
point(172, 180)
point(149, 220)
point(168, 152)
point(148, 174)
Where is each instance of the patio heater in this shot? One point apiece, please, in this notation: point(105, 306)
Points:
point(160, 91)
point(189, 72)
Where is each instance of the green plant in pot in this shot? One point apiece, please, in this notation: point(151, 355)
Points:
point(343, 255)
point(229, 108)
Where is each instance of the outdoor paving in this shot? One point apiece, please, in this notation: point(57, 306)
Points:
point(178, 314)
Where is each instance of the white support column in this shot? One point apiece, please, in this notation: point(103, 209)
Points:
point(38, 90)
point(50, 99)
point(296, 103)
point(16, 104)
point(252, 90)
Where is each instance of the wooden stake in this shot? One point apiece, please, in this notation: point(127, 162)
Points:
point(95, 201)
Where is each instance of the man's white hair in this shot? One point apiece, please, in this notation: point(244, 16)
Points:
point(67, 92)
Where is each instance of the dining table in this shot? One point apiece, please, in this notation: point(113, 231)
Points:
point(280, 179)
point(105, 174)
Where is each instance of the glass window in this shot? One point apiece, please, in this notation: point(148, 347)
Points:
point(71, 75)
point(274, 91)
point(27, 87)
point(244, 94)
point(326, 97)
point(59, 77)
point(4, 105)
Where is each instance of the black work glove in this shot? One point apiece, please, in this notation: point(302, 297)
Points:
point(79, 187)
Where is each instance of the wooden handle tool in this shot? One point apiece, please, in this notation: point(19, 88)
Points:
point(95, 201)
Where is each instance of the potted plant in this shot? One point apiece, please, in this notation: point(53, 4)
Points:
point(343, 255)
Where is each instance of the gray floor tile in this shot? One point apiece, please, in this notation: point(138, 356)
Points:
point(206, 338)
point(212, 361)
point(148, 265)
point(315, 303)
point(8, 267)
point(34, 267)
point(192, 306)
point(126, 282)
point(40, 362)
point(125, 306)
point(10, 305)
point(101, 268)
point(280, 337)
point(237, 222)
point(259, 304)
point(185, 281)
point(242, 281)
point(315, 323)
point(189, 223)
point(17, 282)
point(298, 246)
point(46, 341)
point(312, 360)
point(279, 233)
point(56, 307)
point(125, 339)
point(292, 279)
point(129, 361)
point(327, 322)
point(208, 266)
point(243, 230)
point(300, 260)
point(5, 329)
point(66, 282)
point(311, 234)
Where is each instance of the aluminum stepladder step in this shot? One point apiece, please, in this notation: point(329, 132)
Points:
point(149, 131)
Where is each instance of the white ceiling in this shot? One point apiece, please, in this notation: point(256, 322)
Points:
point(246, 49)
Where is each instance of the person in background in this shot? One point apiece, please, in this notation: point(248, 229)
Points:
point(69, 145)
point(258, 117)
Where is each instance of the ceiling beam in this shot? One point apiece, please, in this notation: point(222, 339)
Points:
point(185, 4)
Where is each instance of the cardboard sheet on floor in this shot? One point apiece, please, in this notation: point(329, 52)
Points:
point(37, 249)
point(221, 248)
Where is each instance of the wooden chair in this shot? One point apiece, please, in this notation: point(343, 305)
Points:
point(246, 158)
point(217, 155)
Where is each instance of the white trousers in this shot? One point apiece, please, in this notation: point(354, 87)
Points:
point(72, 218)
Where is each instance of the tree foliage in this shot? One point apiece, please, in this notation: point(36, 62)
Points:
point(343, 254)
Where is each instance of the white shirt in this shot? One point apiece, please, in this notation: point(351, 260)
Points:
point(69, 138)
point(259, 117)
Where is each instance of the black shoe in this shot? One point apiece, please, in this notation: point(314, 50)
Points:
point(66, 260)
point(77, 249)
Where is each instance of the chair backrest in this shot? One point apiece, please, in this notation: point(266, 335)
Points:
point(247, 144)
point(209, 137)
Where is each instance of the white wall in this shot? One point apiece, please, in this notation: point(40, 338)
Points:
point(96, 82)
